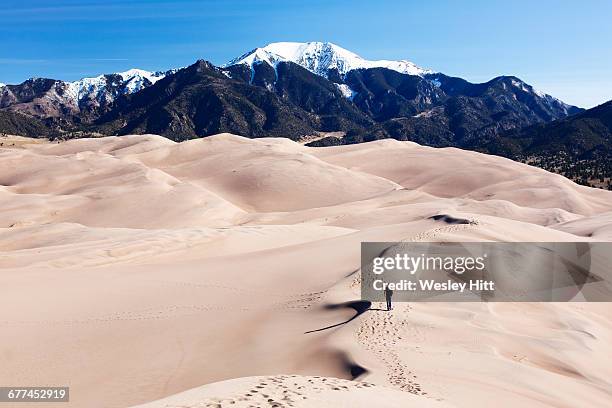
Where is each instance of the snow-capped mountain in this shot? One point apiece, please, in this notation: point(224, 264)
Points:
point(325, 58)
point(58, 99)
point(321, 58)
point(109, 86)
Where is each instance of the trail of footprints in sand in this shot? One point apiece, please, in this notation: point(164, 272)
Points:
point(382, 332)
point(432, 234)
point(281, 391)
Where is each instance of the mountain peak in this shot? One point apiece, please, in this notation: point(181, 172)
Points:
point(203, 64)
point(321, 58)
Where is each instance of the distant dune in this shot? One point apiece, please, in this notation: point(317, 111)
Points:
point(135, 268)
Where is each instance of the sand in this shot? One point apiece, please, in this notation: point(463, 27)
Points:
point(141, 271)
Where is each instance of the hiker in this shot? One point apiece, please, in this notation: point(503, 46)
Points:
point(388, 295)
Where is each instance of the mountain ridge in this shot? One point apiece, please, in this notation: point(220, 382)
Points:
point(88, 98)
point(293, 90)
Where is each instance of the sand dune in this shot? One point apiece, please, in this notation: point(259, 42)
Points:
point(293, 391)
point(134, 268)
point(453, 172)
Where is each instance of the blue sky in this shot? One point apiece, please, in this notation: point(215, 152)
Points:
point(561, 47)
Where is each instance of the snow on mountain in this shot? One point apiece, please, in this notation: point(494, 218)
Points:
point(346, 91)
point(256, 56)
point(517, 83)
point(320, 58)
point(110, 85)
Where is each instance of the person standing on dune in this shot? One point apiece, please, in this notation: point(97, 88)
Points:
point(388, 295)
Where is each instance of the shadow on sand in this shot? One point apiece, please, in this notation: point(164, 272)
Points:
point(359, 306)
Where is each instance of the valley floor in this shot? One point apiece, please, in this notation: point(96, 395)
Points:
point(138, 271)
